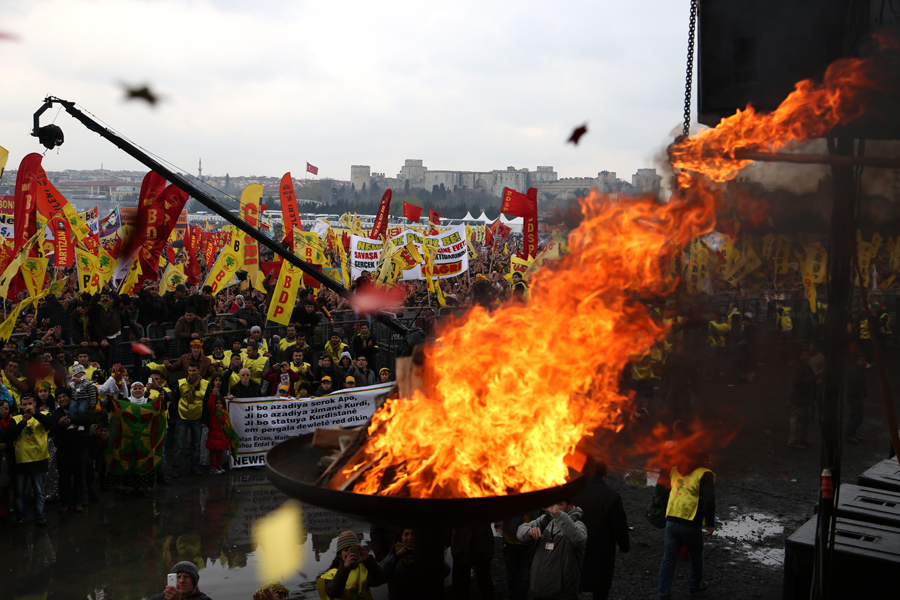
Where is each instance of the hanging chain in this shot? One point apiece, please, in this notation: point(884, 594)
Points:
point(686, 129)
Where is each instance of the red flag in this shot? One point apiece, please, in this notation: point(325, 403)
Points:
point(191, 263)
point(517, 204)
point(412, 212)
point(161, 221)
point(151, 187)
point(379, 228)
point(25, 210)
point(312, 169)
point(496, 230)
point(434, 217)
point(530, 226)
point(289, 212)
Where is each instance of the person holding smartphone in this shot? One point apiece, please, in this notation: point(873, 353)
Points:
point(353, 572)
point(182, 584)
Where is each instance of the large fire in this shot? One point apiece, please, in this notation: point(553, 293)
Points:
point(809, 112)
point(509, 394)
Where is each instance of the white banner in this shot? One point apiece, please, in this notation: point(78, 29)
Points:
point(262, 423)
point(452, 257)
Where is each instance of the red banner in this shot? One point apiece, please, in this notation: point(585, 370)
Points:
point(160, 223)
point(312, 169)
point(192, 268)
point(379, 228)
point(530, 227)
point(25, 211)
point(149, 210)
point(412, 212)
point(290, 214)
point(62, 242)
point(517, 204)
point(434, 217)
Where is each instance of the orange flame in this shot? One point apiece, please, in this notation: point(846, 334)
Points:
point(809, 112)
point(509, 394)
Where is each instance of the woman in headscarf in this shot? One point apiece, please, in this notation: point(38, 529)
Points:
point(353, 572)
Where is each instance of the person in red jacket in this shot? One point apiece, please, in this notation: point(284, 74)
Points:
point(217, 442)
point(280, 373)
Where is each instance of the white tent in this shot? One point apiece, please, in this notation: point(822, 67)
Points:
point(517, 224)
point(485, 219)
point(468, 217)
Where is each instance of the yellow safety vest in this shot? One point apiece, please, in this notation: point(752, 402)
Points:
point(257, 366)
point(31, 446)
point(263, 350)
point(685, 495)
point(784, 320)
point(303, 371)
point(161, 367)
point(223, 360)
point(717, 333)
point(13, 390)
point(190, 406)
point(357, 586)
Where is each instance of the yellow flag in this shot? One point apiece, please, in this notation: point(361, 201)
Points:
point(345, 264)
point(748, 263)
point(230, 261)
point(80, 231)
point(34, 271)
point(4, 156)
point(173, 277)
point(809, 287)
point(58, 286)
point(817, 262)
point(308, 246)
point(285, 297)
point(8, 326)
point(13, 268)
point(782, 254)
point(107, 265)
point(89, 272)
point(407, 256)
point(768, 245)
point(279, 537)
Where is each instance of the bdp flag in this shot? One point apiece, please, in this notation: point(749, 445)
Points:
point(434, 217)
point(412, 212)
point(249, 213)
point(25, 210)
point(530, 225)
point(282, 304)
point(312, 169)
point(517, 204)
point(379, 227)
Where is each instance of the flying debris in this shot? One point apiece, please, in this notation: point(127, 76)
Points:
point(141, 93)
point(577, 133)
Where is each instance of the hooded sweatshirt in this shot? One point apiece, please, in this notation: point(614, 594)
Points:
point(556, 566)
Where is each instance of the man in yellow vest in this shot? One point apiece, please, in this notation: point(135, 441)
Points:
point(28, 434)
point(255, 362)
point(191, 391)
point(691, 507)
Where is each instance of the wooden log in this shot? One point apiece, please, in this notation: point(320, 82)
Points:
point(880, 162)
point(330, 438)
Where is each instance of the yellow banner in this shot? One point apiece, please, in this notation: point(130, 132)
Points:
point(4, 156)
point(728, 252)
point(768, 245)
point(173, 277)
point(743, 266)
point(895, 255)
point(282, 304)
point(817, 262)
point(16, 264)
point(107, 265)
point(6, 329)
point(308, 246)
point(407, 256)
point(230, 261)
point(81, 233)
point(89, 271)
point(782, 255)
point(34, 271)
point(131, 279)
point(338, 243)
point(809, 287)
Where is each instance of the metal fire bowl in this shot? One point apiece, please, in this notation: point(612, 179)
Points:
point(292, 467)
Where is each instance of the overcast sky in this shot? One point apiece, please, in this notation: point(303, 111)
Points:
point(261, 87)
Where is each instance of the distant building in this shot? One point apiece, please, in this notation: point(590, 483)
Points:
point(415, 175)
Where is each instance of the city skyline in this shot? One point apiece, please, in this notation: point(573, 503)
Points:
point(483, 86)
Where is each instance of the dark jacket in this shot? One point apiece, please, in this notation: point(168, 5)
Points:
point(803, 385)
point(364, 347)
point(556, 571)
point(607, 526)
point(107, 320)
point(175, 305)
point(76, 435)
point(54, 312)
point(152, 309)
point(194, 595)
point(184, 331)
point(202, 306)
point(856, 385)
point(251, 390)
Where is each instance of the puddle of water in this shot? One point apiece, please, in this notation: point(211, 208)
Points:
point(755, 526)
point(751, 535)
